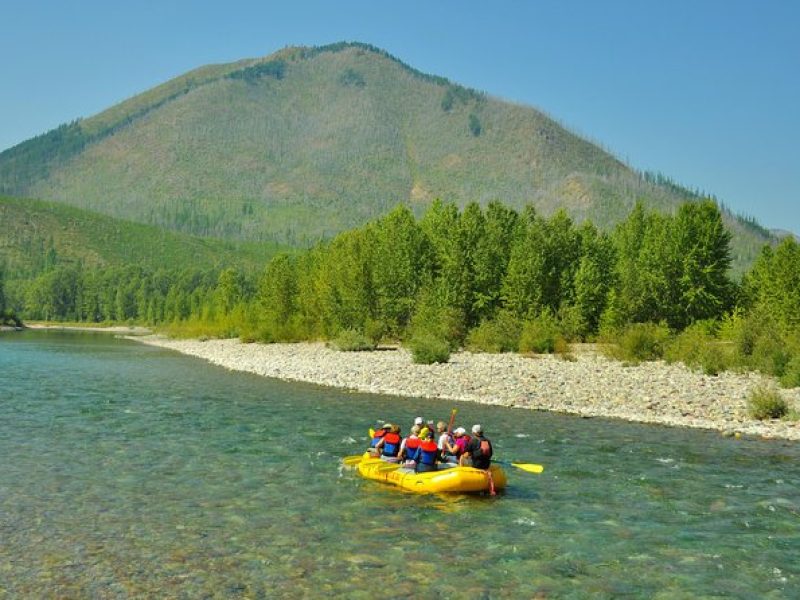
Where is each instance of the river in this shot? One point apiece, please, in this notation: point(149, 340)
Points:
point(128, 471)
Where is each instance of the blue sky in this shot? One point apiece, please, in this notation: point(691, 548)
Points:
point(706, 92)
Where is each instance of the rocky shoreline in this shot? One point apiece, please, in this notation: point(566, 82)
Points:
point(591, 385)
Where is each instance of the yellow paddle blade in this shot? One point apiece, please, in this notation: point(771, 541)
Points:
point(371, 432)
point(353, 460)
point(529, 467)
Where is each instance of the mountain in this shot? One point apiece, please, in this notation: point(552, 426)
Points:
point(36, 235)
point(309, 141)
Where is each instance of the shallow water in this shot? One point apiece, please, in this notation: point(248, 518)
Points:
point(131, 471)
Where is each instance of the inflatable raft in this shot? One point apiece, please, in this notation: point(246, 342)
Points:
point(445, 479)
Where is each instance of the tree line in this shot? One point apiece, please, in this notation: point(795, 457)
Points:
point(476, 277)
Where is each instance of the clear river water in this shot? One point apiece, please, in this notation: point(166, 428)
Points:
point(128, 471)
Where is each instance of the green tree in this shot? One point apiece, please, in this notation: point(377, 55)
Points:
point(647, 269)
point(230, 289)
point(522, 288)
point(277, 294)
point(345, 283)
point(542, 265)
point(403, 260)
point(491, 257)
point(772, 286)
point(594, 277)
point(702, 244)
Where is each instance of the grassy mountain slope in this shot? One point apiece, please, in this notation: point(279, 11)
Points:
point(308, 142)
point(37, 234)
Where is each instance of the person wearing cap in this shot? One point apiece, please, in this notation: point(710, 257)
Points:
point(378, 435)
point(455, 448)
point(428, 455)
point(479, 449)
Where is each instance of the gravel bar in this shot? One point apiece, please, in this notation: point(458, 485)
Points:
point(591, 385)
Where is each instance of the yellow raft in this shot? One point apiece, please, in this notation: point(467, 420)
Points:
point(446, 479)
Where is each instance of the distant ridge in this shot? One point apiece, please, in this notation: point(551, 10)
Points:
point(37, 236)
point(306, 142)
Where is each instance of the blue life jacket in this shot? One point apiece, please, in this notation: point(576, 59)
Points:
point(412, 448)
point(429, 452)
point(391, 444)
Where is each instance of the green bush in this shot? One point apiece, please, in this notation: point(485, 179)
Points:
point(696, 347)
point(572, 323)
point(432, 319)
point(500, 334)
point(791, 375)
point(766, 403)
point(351, 340)
point(539, 335)
point(641, 342)
point(427, 349)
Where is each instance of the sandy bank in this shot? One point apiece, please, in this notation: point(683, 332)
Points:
point(590, 386)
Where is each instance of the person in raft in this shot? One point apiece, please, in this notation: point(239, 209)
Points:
point(443, 438)
point(479, 450)
point(377, 436)
point(456, 447)
point(409, 448)
point(389, 445)
point(423, 429)
point(428, 455)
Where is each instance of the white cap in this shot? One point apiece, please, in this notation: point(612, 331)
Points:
point(460, 431)
point(418, 421)
point(477, 429)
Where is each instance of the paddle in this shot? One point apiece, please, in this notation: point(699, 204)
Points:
point(527, 467)
point(452, 420)
point(352, 460)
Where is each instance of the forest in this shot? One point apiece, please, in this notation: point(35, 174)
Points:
point(483, 278)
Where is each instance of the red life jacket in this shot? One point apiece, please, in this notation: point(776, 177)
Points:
point(377, 437)
point(429, 452)
point(412, 448)
point(391, 444)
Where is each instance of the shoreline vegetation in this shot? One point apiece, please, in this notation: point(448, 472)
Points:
point(590, 385)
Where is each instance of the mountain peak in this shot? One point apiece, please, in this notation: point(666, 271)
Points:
point(308, 141)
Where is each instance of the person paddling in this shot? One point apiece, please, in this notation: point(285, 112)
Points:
point(479, 450)
point(455, 447)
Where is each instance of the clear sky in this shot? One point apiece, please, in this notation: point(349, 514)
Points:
point(706, 92)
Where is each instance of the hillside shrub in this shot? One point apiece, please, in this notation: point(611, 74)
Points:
point(352, 340)
point(427, 349)
point(640, 342)
point(501, 334)
point(539, 334)
point(766, 403)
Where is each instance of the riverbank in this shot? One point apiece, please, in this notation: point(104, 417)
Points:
point(590, 386)
point(131, 330)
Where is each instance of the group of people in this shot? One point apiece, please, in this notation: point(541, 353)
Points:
point(429, 446)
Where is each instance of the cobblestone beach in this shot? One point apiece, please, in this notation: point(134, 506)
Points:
point(591, 385)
